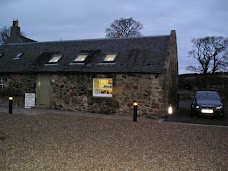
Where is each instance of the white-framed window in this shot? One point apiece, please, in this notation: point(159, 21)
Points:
point(55, 58)
point(102, 87)
point(2, 83)
point(81, 57)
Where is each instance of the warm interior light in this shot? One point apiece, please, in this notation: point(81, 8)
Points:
point(135, 103)
point(80, 58)
point(110, 57)
point(103, 86)
point(10, 98)
point(55, 58)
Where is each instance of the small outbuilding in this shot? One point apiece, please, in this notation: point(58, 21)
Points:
point(95, 75)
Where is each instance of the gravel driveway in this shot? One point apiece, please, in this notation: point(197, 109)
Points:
point(72, 142)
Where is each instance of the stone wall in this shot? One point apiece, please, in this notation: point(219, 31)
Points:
point(170, 73)
point(144, 88)
point(17, 85)
point(70, 91)
point(26, 83)
point(74, 92)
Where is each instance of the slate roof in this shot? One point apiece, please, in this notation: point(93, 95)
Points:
point(18, 39)
point(135, 55)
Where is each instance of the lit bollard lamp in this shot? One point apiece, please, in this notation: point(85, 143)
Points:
point(170, 110)
point(135, 104)
point(10, 105)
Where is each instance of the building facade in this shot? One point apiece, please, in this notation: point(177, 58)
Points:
point(97, 75)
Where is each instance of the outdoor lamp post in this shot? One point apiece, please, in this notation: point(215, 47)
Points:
point(10, 105)
point(135, 104)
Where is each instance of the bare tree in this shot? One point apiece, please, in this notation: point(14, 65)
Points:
point(224, 61)
point(124, 27)
point(211, 53)
point(219, 46)
point(4, 34)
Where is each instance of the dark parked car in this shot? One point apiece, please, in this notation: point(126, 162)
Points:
point(207, 103)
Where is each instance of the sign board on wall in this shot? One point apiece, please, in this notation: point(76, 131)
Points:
point(30, 100)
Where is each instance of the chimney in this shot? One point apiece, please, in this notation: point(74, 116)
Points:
point(15, 23)
point(15, 30)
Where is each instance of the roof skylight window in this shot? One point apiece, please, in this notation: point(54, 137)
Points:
point(110, 58)
point(55, 58)
point(80, 58)
point(18, 56)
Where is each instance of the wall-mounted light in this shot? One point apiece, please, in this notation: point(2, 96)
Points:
point(52, 81)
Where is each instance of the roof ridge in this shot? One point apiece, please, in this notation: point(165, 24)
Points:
point(84, 40)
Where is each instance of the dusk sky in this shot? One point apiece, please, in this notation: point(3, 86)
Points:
point(54, 20)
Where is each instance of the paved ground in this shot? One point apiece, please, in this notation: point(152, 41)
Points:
point(51, 140)
point(183, 116)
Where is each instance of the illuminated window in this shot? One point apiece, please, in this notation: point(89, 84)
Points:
point(110, 58)
point(55, 58)
point(18, 56)
point(2, 83)
point(80, 58)
point(102, 87)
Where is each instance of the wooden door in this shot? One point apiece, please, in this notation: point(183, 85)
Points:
point(43, 90)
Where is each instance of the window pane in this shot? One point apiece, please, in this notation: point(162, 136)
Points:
point(102, 87)
point(55, 58)
point(2, 83)
point(81, 58)
point(110, 58)
point(18, 56)
point(96, 85)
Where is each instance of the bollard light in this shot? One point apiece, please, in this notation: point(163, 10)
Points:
point(170, 110)
point(135, 104)
point(10, 105)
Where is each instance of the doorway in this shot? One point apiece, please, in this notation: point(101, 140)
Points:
point(43, 90)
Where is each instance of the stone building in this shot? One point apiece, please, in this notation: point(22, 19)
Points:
point(95, 75)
